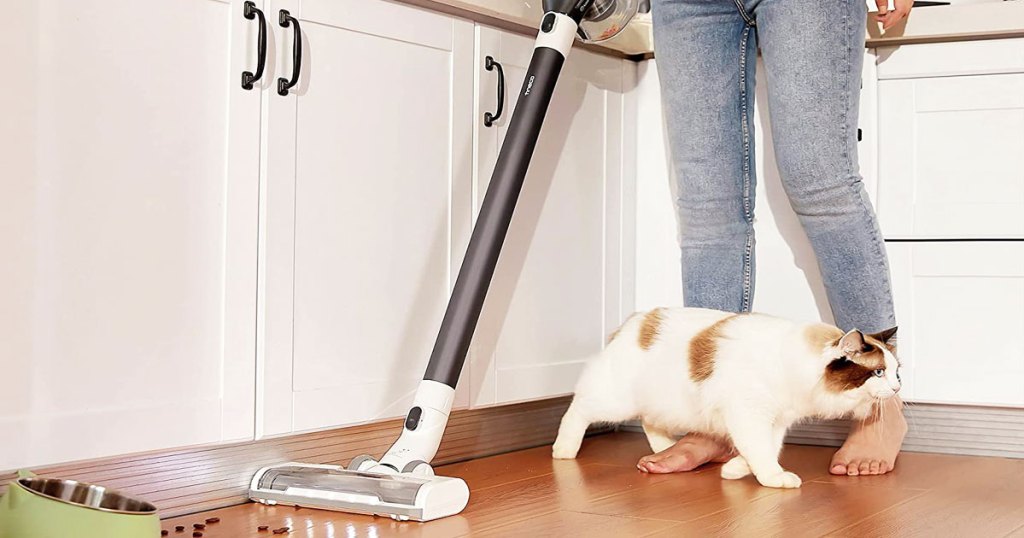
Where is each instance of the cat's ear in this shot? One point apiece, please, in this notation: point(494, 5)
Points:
point(885, 336)
point(851, 343)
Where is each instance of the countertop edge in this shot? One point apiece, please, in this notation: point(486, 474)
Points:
point(943, 38)
point(925, 25)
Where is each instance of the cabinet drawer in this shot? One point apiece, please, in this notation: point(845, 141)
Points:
point(950, 163)
point(960, 307)
point(946, 59)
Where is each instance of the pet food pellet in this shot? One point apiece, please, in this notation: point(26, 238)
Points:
point(197, 534)
point(198, 526)
point(164, 532)
point(179, 528)
point(213, 520)
point(263, 528)
point(282, 530)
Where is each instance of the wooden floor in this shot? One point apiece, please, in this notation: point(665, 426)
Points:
point(602, 494)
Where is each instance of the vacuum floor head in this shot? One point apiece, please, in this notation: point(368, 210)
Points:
point(400, 496)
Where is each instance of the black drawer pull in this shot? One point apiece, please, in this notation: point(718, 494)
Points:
point(248, 78)
point(283, 84)
point(491, 65)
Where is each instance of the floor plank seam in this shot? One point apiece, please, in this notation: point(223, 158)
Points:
point(552, 472)
point(624, 516)
point(1014, 530)
point(876, 514)
point(866, 485)
point(492, 526)
point(516, 481)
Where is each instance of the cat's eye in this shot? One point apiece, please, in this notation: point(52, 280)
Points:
point(879, 372)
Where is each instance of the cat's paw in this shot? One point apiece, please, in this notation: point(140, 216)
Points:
point(563, 453)
point(735, 469)
point(784, 479)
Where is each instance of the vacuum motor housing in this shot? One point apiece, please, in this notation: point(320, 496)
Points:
point(599, 20)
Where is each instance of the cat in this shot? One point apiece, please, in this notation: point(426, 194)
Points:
point(745, 377)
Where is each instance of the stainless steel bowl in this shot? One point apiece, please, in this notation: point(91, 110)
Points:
point(86, 495)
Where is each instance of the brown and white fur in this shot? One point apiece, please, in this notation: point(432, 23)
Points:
point(746, 377)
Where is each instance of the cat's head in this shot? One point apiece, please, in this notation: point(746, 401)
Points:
point(865, 366)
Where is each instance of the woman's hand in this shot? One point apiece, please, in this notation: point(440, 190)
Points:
point(901, 8)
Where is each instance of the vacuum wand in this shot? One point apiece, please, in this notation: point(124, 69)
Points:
point(428, 417)
point(499, 203)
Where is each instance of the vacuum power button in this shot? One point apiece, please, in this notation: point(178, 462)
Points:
point(413, 419)
point(548, 23)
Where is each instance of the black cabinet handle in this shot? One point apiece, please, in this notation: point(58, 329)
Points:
point(491, 65)
point(248, 78)
point(283, 84)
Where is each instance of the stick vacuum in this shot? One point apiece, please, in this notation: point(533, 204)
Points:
point(402, 484)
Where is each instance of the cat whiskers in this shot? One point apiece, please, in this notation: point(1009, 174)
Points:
point(879, 412)
point(911, 424)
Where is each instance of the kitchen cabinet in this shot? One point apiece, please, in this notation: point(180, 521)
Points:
point(556, 292)
point(960, 307)
point(128, 212)
point(950, 164)
point(950, 128)
point(196, 262)
point(366, 208)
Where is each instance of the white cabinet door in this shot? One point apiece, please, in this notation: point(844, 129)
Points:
point(960, 308)
point(128, 213)
point(950, 159)
point(555, 292)
point(367, 208)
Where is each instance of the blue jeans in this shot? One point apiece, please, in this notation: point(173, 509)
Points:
point(813, 52)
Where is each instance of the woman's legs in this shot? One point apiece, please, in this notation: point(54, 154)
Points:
point(813, 51)
point(813, 54)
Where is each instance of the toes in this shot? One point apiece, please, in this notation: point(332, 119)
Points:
point(865, 467)
point(838, 468)
point(653, 466)
point(853, 468)
point(875, 467)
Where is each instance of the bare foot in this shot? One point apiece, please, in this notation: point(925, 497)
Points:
point(687, 454)
point(873, 444)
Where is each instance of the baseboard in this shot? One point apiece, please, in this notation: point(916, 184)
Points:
point(945, 429)
point(187, 480)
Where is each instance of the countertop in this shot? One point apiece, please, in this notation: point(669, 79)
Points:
point(991, 20)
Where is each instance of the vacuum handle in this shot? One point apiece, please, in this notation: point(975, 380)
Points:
point(464, 307)
point(490, 64)
point(283, 84)
point(248, 78)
